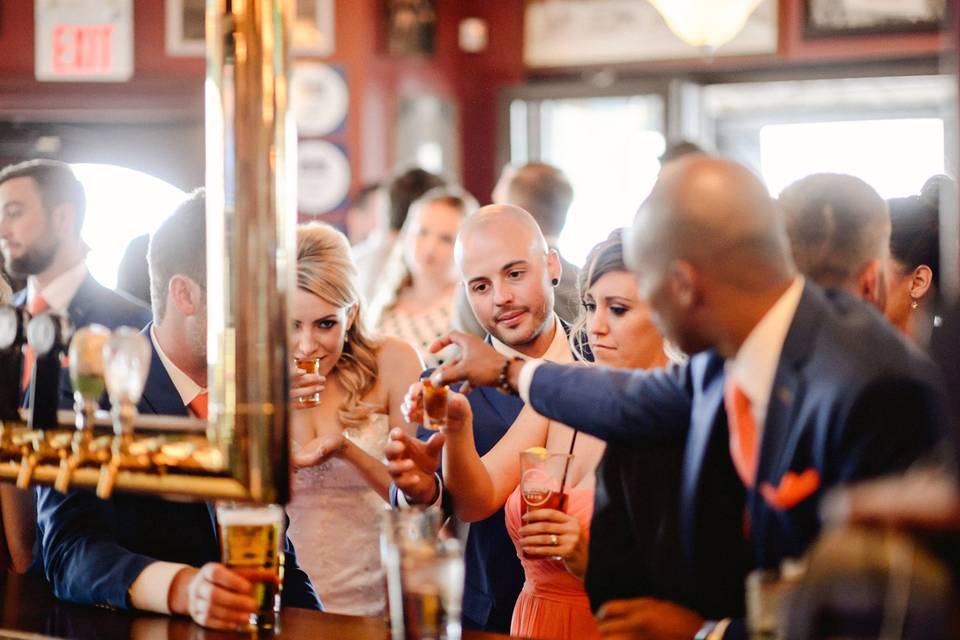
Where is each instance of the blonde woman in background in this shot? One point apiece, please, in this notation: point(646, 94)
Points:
point(340, 483)
point(415, 302)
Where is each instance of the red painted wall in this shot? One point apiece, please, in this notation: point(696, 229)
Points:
point(170, 89)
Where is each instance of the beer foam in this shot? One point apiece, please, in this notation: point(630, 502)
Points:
point(253, 516)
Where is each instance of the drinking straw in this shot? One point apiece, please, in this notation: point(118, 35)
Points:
point(566, 467)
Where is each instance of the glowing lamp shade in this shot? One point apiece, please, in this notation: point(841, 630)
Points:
point(707, 24)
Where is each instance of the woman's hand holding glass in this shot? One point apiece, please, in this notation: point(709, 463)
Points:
point(549, 533)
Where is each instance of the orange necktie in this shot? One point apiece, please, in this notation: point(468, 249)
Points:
point(743, 432)
point(37, 306)
point(199, 406)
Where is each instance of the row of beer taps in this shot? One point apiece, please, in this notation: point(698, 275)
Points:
point(101, 364)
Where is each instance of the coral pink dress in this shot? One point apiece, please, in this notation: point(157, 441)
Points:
point(553, 604)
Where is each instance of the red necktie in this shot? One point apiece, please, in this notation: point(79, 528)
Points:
point(37, 306)
point(199, 406)
point(743, 432)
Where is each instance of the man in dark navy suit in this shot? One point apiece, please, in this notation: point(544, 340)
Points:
point(42, 207)
point(145, 552)
point(509, 274)
point(791, 392)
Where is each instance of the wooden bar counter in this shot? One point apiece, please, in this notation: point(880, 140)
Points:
point(29, 611)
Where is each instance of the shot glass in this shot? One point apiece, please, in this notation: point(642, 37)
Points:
point(434, 406)
point(308, 365)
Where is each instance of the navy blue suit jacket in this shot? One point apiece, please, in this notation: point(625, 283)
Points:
point(850, 400)
point(93, 550)
point(93, 303)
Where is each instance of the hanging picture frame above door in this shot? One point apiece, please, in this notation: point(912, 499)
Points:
point(832, 18)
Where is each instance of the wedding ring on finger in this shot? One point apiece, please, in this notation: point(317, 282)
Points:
point(554, 540)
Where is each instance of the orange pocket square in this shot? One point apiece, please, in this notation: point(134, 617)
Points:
point(794, 488)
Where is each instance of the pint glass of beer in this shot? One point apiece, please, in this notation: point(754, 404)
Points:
point(250, 545)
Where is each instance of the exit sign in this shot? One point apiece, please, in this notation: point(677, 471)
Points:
point(80, 40)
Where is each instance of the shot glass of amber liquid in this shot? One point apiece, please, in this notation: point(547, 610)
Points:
point(308, 365)
point(434, 406)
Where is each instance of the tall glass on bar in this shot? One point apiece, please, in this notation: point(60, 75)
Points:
point(250, 538)
point(425, 576)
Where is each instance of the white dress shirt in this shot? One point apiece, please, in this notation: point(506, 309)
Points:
point(558, 351)
point(151, 590)
point(60, 291)
point(755, 365)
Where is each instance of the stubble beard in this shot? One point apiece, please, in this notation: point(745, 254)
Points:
point(34, 260)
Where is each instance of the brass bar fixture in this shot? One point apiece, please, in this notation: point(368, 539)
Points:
point(251, 217)
point(242, 452)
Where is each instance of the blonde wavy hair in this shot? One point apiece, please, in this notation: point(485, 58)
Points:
point(325, 269)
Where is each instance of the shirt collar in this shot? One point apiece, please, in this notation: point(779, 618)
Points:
point(755, 365)
point(558, 351)
point(61, 289)
point(186, 387)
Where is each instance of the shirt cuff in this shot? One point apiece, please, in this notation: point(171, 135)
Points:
point(403, 503)
point(720, 630)
point(151, 590)
point(526, 378)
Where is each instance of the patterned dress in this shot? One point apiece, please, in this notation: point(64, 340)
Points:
point(421, 330)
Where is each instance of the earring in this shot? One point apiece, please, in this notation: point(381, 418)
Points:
point(914, 304)
point(555, 281)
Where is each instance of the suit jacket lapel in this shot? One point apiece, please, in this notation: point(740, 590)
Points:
point(79, 307)
point(780, 431)
point(706, 412)
point(779, 437)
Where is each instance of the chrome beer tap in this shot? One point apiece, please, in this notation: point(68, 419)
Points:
point(13, 336)
point(86, 378)
point(126, 362)
point(47, 334)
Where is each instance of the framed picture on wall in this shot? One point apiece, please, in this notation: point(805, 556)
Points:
point(411, 26)
point(576, 33)
point(826, 18)
point(313, 28)
point(185, 20)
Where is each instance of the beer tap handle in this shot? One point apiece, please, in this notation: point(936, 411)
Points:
point(12, 338)
point(108, 476)
point(86, 371)
point(126, 362)
point(68, 465)
point(45, 334)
